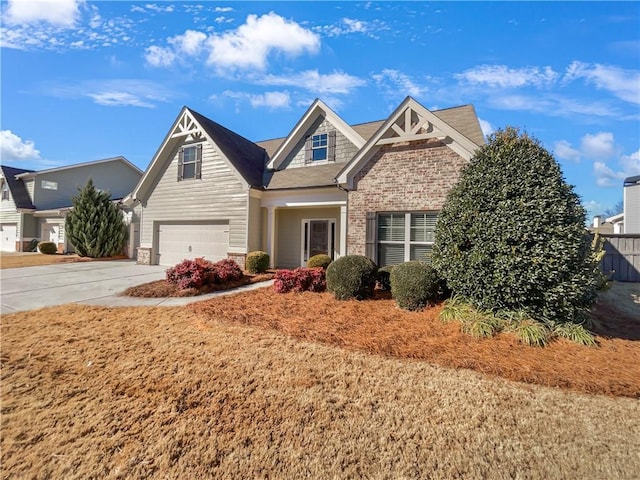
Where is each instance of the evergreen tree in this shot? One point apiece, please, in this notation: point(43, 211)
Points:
point(95, 226)
point(511, 235)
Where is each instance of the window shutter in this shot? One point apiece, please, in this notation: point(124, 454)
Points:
point(331, 153)
point(199, 161)
point(370, 237)
point(308, 151)
point(180, 161)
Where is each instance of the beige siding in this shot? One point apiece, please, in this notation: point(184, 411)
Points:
point(218, 195)
point(289, 232)
point(345, 150)
point(9, 215)
point(255, 225)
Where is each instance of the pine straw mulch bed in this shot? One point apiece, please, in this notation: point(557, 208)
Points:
point(379, 327)
point(162, 288)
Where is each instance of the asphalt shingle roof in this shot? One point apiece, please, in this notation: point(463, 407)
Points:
point(17, 187)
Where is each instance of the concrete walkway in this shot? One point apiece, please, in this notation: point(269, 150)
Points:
point(91, 283)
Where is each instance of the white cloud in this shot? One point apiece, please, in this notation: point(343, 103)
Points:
point(159, 56)
point(628, 165)
point(599, 146)
point(63, 13)
point(249, 45)
point(397, 83)
point(12, 147)
point(119, 99)
point(348, 26)
point(624, 84)
point(223, 9)
point(565, 151)
point(553, 105)
point(486, 127)
point(159, 9)
point(189, 43)
point(505, 77)
point(272, 100)
point(312, 80)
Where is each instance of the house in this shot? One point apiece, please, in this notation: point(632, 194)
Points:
point(373, 189)
point(631, 201)
point(627, 222)
point(34, 204)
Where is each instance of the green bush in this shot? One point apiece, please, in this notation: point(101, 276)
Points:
point(257, 262)
point(511, 234)
point(95, 225)
point(351, 276)
point(48, 248)
point(320, 260)
point(414, 285)
point(384, 278)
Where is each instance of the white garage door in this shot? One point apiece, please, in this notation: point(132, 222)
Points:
point(8, 238)
point(177, 241)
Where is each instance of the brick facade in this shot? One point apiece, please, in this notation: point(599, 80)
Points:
point(401, 177)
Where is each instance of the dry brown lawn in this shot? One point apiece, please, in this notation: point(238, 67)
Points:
point(33, 259)
point(260, 385)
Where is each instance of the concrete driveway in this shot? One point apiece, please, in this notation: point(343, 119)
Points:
point(98, 283)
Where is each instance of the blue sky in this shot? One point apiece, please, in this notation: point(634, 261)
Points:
point(88, 80)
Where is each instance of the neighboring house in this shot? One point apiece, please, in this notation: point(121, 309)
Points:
point(34, 204)
point(631, 200)
point(627, 222)
point(373, 189)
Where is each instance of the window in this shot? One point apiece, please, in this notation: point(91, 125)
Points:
point(5, 190)
point(190, 162)
point(47, 185)
point(319, 147)
point(405, 236)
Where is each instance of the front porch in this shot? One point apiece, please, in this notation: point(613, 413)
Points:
point(301, 224)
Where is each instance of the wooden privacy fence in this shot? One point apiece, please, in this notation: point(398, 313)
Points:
point(622, 257)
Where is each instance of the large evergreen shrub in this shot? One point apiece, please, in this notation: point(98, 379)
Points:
point(511, 235)
point(414, 285)
point(95, 226)
point(351, 276)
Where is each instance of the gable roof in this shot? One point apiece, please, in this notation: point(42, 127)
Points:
point(247, 157)
point(244, 158)
point(35, 173)
point(316, 176)
point(411, 121)
point(18, 190)
point(317, 109)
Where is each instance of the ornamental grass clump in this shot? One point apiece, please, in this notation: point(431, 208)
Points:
point(351, 276)
point(511, 234)
point(414, 285)
point(257, 262)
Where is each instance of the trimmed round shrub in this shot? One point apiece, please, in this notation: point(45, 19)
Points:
point(414, 285)
point(351, 276)
point(257, 262)
point(48, 248)
point(511, 234)
point(320, 260)
point(384, 278)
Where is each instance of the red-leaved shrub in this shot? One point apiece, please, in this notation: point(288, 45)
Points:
point(199, 272)
point(300, 280)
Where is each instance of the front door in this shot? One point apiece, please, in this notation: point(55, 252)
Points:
point(318, 237)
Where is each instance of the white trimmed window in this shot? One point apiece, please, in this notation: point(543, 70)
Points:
point(190, 162)
point(5, 190)
point(319, 145)
point(405, 236)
